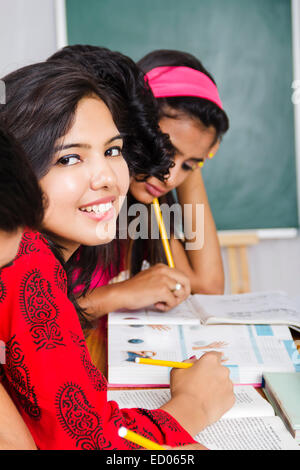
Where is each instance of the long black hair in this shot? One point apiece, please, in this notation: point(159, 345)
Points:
point(41, 101)
point(21, 199)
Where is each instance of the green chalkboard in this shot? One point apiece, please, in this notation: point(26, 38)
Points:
point(246, 45)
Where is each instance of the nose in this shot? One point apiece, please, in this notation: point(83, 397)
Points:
point(102, 175)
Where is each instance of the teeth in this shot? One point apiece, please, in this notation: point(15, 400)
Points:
point(99, 208)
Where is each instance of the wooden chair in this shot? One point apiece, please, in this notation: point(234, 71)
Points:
point(236, 246)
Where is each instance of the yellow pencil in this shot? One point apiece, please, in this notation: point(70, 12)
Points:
point(163, 233)
point(159, 362)
point(137, 439)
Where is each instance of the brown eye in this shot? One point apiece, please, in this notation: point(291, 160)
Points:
point(113, 152)
point(68, 160)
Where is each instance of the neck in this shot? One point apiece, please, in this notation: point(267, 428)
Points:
point(66, 247)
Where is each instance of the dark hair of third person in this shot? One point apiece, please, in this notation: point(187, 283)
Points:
point(21, 202)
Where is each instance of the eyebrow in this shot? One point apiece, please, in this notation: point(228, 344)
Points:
point(190, 158)
point(59, 148)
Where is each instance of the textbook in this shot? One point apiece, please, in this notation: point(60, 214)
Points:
point(254, 308)
point(249, 425)
point(283, 391)
point(248, 351)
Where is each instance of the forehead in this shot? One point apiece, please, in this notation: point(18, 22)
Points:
point(188, 135)
point(92, 119)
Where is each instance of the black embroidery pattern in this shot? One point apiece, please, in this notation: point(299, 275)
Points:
point(27, 245)
point(60, 277)
point(79, 419)
point(19, 379)
point(38, 306)
point(160, 418)
point(2, 290)
point(133, 426)
point(98, 380)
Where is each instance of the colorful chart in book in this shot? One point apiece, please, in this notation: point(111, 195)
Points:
point(247, 350)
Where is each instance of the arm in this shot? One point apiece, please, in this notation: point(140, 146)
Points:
point(14, 434)
point(200, 394)
point(150, 287)
point(61, 395)
point(204, 267)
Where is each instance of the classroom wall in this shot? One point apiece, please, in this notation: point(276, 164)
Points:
point(273, 265)
point(28, 34)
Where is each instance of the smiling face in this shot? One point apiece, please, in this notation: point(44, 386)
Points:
point(87, 181)
point(193, 143)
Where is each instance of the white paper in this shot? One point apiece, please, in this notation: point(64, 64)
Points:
point(254, 433)
point(258, 307)
point(248, 401)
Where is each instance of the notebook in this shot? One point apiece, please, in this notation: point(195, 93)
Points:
point(249, 351)
point(249, 425)
point(254, 308)
point(283, 391)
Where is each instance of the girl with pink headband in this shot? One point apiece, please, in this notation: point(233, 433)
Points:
point(191, 113)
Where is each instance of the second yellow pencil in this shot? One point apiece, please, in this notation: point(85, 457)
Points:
point(163, 233)
point(159, 362)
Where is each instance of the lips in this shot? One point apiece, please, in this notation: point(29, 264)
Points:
point(154, 190)
point(100, 210)
point(103, 200)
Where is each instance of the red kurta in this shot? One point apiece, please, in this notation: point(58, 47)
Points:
point(48, 371)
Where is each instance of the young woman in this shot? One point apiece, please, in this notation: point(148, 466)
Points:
point(20, 207)
point(126, 80)
point(191, 113)
point(64, 120)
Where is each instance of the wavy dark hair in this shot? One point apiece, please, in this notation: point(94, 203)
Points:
point(147, 150)
point(21, 200)
point(206, 111)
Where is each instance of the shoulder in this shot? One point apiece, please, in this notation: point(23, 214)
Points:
point(35, 259)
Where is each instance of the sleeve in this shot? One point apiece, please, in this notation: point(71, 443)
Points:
point(60, 394)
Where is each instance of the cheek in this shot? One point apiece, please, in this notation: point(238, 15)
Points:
point(61, 193)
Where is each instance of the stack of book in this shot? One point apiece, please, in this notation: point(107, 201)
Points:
point(283, 392)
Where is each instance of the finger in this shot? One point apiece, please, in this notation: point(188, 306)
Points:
point(218, 355)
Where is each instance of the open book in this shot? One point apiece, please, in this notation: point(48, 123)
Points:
point(255, 308)
point(249, 351)
point(249, 425)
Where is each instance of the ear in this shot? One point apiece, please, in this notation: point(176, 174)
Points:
point(213, 150)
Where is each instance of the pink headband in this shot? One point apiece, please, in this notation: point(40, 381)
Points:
point(182, 81)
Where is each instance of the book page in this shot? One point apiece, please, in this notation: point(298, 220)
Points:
point(260, 307)
point(182, 314)
point(254, 433)
point(248, 350)
point(248, 401)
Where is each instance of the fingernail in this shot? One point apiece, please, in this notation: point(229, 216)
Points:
point(192, 357)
